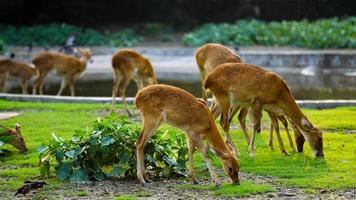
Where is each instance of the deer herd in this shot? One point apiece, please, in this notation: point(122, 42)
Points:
point(235, 87)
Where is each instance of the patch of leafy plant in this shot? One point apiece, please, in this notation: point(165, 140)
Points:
point(108, 150)
point(56, 34)
point(2, 45)
point(323, 33)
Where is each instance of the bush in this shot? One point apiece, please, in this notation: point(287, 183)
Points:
point(2, 46)
point(108, 150)
point(126, 37)
point(56, 34)
point(324, 33)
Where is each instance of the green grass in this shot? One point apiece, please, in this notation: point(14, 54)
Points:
point(245, 189)
point(336, 171)
point(126, 197)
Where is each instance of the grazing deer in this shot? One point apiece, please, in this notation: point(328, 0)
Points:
point(18, 142)
point(70, 67)
point(129, 64)
point(237, 85)
point(210, 56)
point(163, 103)
point(24, 71)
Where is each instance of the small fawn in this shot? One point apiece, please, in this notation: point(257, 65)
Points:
point(71, 67)
point(163, 103)
point(129, 64)
point(24, 71)
point(237, 85)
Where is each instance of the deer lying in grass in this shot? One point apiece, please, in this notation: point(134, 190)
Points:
point(21, 70)
point(210, 56)
point(129, 64)
point(18, 142)
point(163, 103)
point(237, 85)
point(70, 67)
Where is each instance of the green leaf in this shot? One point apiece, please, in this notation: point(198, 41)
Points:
point(70, 154)
point(107, 140)
point(45, 169)
point(64, 171)
point(116, 171)
point(42, 148)
point(79, 176)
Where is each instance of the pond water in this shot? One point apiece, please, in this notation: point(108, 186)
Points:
point(304, 86)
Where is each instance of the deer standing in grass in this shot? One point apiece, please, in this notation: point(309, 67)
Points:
point(210, 56)
point(21, 70)
point(71, 67)
point(163, 103)
point(129, 64)
point(237, 85)
point(18, 142)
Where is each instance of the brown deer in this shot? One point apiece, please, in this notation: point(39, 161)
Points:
point(210, 56)
point(237, 85)
point(163, 103)
point(71, 67)
point(21, 70)
point(18, 142)
point(129, 64)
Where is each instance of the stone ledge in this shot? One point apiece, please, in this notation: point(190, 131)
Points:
point(316, 104)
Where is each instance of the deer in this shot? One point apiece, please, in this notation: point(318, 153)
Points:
point(163, 103)
point(71, 67)
point(237, 85)
point(127, 65)
point(23, 71)
point(210, 56)
point(18, 142)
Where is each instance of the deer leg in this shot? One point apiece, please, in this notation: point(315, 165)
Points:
point(225, 124)
point(299, 138)
point(122, 90)
point(215, 108)
point(204, 150)
point(63, 85)
point(242, 119)
point(38, 85)
point(191, 146)
point(24, 85)
point(257, 115)
point(117, 80)
point(202, 77)
point(150, 124)
point(71, 86)
point(276, 129)
point(285, 124)
point(270, 141)
point(3, 78)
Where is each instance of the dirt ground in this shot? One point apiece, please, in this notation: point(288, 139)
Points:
point(167, 189)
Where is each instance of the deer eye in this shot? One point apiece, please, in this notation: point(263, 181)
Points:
point(230, 169)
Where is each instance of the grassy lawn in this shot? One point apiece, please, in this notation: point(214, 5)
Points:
point(335, 171)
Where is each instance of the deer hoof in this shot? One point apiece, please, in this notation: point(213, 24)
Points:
point(218, 185)
point(146, 184)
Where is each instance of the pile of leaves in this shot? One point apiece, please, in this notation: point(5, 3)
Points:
point(56, 34)
point(324, 33)
point(108, 150)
